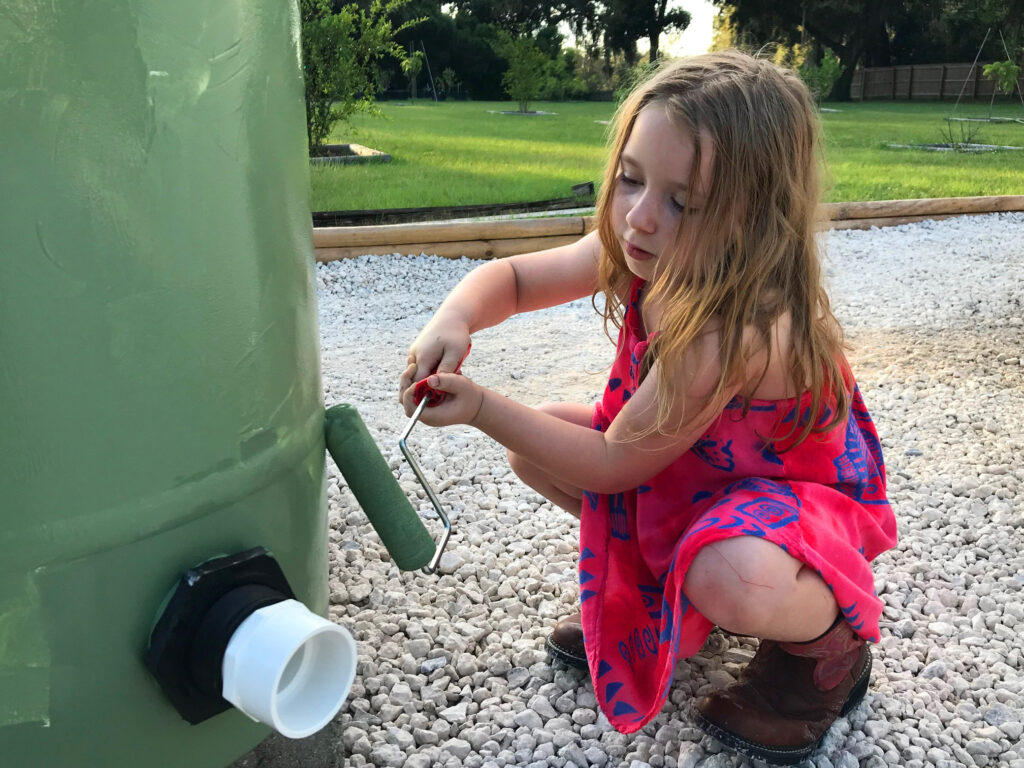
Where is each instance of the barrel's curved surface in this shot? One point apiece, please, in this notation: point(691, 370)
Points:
point(159, 380)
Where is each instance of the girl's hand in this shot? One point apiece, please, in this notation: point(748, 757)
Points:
point(460, 406)
point(440, 347)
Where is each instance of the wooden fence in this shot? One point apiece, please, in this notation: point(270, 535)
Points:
point(923, 81)
point(494, 239)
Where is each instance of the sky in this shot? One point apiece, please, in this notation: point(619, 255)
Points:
point(697, 37)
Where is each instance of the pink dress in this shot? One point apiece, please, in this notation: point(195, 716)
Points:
point(823, 502)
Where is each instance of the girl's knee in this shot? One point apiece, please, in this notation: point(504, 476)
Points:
point(737, 583)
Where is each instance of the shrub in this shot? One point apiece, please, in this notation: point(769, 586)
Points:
point(1005, 74)
point(525, 78)
point(821, 77)
point(341, 55)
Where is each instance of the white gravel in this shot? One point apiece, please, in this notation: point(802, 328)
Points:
point(452, 669)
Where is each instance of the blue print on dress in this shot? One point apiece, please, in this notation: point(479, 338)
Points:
point(805, 416)
point(759, 485)
point(736, 404)
point(614, 384)
point(863, 419)
point(857, 473)
point(617, 515)
point(700, 496)
point(766, 512)
point(626, 394)
point(706, 522)
point(592, 499)
point(826, 414)
point(652, 597)
point(851, 614)
point(639, 644)
point(770, 456)
point(670, 631)
point(718, 456)
point(666, 629)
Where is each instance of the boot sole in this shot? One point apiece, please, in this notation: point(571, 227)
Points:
point(782, 755)
point(565, 656)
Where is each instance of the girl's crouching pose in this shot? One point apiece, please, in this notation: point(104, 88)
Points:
point(731, 474)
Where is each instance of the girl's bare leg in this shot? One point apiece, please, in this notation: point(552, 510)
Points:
point(750, 586)
point(556, 491)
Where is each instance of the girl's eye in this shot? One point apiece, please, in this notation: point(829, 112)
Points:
point(627, 180)
point(679, 207)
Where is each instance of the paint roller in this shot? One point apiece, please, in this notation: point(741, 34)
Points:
point(375, 488)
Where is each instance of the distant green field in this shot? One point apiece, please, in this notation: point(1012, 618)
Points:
point(463, 153)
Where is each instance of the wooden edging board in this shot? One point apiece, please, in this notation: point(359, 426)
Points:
point(496, 239)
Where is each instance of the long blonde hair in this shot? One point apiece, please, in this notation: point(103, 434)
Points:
point(750, 251)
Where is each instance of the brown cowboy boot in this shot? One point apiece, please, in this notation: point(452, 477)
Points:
point(789, 695)
point(565, 642)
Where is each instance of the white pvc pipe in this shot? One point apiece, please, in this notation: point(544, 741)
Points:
point(289, 668)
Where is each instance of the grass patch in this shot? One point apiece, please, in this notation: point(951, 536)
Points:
point(462, 153)
point(862, 167)
point(458, 153)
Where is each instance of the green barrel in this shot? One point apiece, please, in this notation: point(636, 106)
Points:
point(160, 399)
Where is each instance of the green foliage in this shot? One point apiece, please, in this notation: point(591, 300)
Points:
point(820, 78)
point(341, 55)
point(624, 22)
point(447, 82)
point(632, 76)
point(524, 81)
point(1005, 73)
point(412, 65)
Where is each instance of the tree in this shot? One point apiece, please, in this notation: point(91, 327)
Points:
point(341, 55)
point(412, 66)
point(517, 17)
point(526, 67)
point(626, 21)
point(851, 28)
point(522, 17)
point(877, 33)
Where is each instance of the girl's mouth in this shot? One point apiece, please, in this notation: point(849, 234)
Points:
point(638, 254)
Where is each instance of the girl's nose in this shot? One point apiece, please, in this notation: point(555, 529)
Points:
point(642, 216)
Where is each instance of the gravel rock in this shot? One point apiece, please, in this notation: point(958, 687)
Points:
point(455, 660)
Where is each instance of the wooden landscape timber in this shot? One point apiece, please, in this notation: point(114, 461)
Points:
point(496, 239)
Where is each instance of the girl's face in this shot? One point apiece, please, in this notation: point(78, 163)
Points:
point(651, 189)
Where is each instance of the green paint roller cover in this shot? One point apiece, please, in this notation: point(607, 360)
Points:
point(375, 488)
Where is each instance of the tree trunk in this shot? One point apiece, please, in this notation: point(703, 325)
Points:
point(849, 55)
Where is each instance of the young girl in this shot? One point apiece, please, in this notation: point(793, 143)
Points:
point(731, 474)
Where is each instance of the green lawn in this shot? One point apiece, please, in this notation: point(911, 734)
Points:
point(461, 153)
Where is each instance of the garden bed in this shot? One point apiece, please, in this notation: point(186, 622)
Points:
point(348, 153)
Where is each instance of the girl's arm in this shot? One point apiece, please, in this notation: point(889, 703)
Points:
point(604, 462)
point(495, 291)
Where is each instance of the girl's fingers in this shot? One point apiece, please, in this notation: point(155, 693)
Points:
point(445, 382)
point(450, 360)
point(406, 379)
